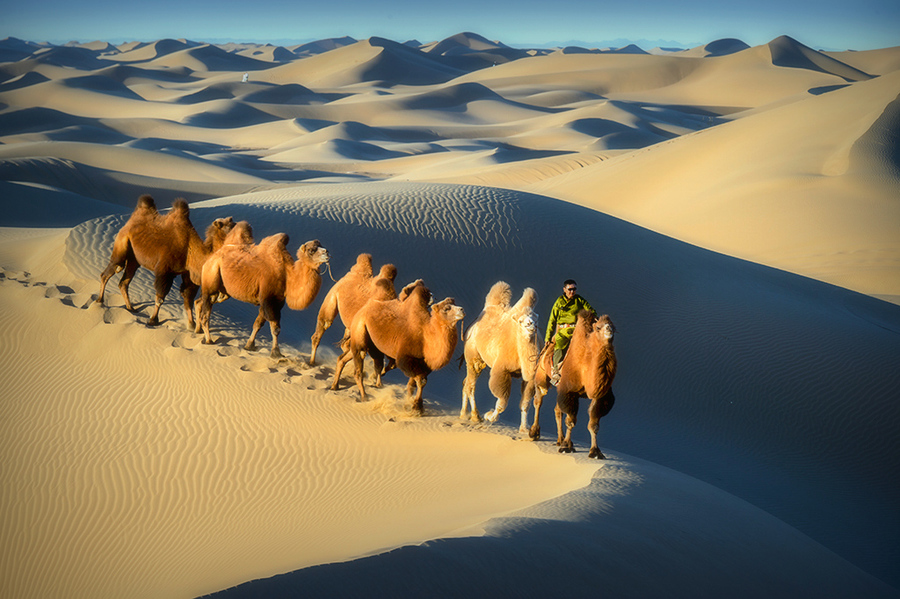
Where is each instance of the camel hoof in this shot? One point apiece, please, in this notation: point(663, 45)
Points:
point(153, 322)
point(250, 347)
point(535, 433)
point(596, 453)
point(276, 354)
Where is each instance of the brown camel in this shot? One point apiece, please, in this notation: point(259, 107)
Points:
point(588, 370)
point(503, 339)
point(424, 299)
point(349, 294)
point(420, 340)
point(264, 275)
point(166, 244)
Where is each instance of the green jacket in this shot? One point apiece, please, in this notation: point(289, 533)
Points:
point(565, 311)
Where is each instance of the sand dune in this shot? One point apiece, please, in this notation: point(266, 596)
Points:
point(752, 446)
point(800, 172)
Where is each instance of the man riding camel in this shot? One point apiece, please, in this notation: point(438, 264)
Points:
point(561, 325)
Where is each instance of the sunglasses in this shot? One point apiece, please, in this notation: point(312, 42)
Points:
point(570, 289)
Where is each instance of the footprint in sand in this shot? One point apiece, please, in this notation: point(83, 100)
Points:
point(56, 291)
point(118, 316)
point(186, 341)
point(258, 365)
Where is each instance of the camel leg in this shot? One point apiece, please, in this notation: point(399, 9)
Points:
point(271, 309)
point(188, 293)
point(416, 404)
point(473, 370)
point(257, 325)
point(565, 443)
point(163, 284)
point(594, 427)
point(499, 384)
point(203, 311)
point(275, 327)
point(322, 325)
point(599, 408)
point(118, 260)
point(324, 320)
point(389, 365)
point(527, 395)
point(378, 360)
point(130, 268)
point(539, 393)
point(198, 306)
point(339, 368)
point(559, 426)
point(108, 272)
point(358, 358)
point(414, 394)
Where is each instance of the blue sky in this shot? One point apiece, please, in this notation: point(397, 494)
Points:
point(828, 24)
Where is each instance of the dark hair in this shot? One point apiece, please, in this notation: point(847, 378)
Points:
point(569, 282)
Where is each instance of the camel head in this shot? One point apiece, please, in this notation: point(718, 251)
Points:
point(218, 230)
point(604, 328)
point(523, 311)
point(313, 253)
point(528, 323)
point(448, 310)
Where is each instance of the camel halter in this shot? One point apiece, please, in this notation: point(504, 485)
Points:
point(328, 268)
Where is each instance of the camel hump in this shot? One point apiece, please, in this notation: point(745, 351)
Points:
point(145, 204)
point(278, 240)
point(587, 322)
point(363, 266)
point(180, 207)
point(526, 303)
point(417, 292)
point(388, 272)
point(241, 234)
point(384, 290)
point(500, 295)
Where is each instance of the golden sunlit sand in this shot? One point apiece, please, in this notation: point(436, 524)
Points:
point(733, 209)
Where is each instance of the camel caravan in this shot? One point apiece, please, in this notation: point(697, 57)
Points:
point(405, 330)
